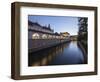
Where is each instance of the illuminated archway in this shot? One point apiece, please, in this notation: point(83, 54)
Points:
point(50, 36)
point(44, 36)
point(35, 36)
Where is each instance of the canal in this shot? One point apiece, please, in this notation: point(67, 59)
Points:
point(64, 54)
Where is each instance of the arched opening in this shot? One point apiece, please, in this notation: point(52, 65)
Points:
point(44, 36)
point(50, 36)
point(35, 36)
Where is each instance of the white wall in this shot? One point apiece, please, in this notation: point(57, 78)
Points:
point(5, 40)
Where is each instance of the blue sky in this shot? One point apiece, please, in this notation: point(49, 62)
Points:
point(58, 23)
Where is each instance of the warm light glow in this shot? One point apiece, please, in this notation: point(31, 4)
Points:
point(35, 36)
point(44, 36)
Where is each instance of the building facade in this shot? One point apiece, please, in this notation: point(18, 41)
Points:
point(40, 37)
point(36, 31)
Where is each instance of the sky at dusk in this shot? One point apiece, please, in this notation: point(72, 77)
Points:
point(58, 23)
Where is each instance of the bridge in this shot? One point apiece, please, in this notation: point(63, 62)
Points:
point(73, 37)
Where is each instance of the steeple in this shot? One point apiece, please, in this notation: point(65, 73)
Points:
point(49, 26)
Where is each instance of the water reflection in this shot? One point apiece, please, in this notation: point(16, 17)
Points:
point(63, 54)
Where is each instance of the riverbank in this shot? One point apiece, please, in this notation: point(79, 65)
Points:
point(84, 52)
point(68, 53)
point(39, 44)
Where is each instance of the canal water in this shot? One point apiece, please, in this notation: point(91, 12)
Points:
point(64, 54)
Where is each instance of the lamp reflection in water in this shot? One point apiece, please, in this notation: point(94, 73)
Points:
point(63, 54)
point(48, 55)
point(36, 64)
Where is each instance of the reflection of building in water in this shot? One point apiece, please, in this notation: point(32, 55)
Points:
point(37, 31)
point(49, 56)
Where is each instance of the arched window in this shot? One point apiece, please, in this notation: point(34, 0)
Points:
point(44, 36)
point(35, 36)
point(50, 36)
point(54, 36)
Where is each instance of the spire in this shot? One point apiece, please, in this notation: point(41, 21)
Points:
point(49, 26)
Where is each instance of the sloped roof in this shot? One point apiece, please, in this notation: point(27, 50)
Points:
point(35, 23)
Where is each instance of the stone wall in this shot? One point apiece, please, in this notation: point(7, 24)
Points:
point(38, 44)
